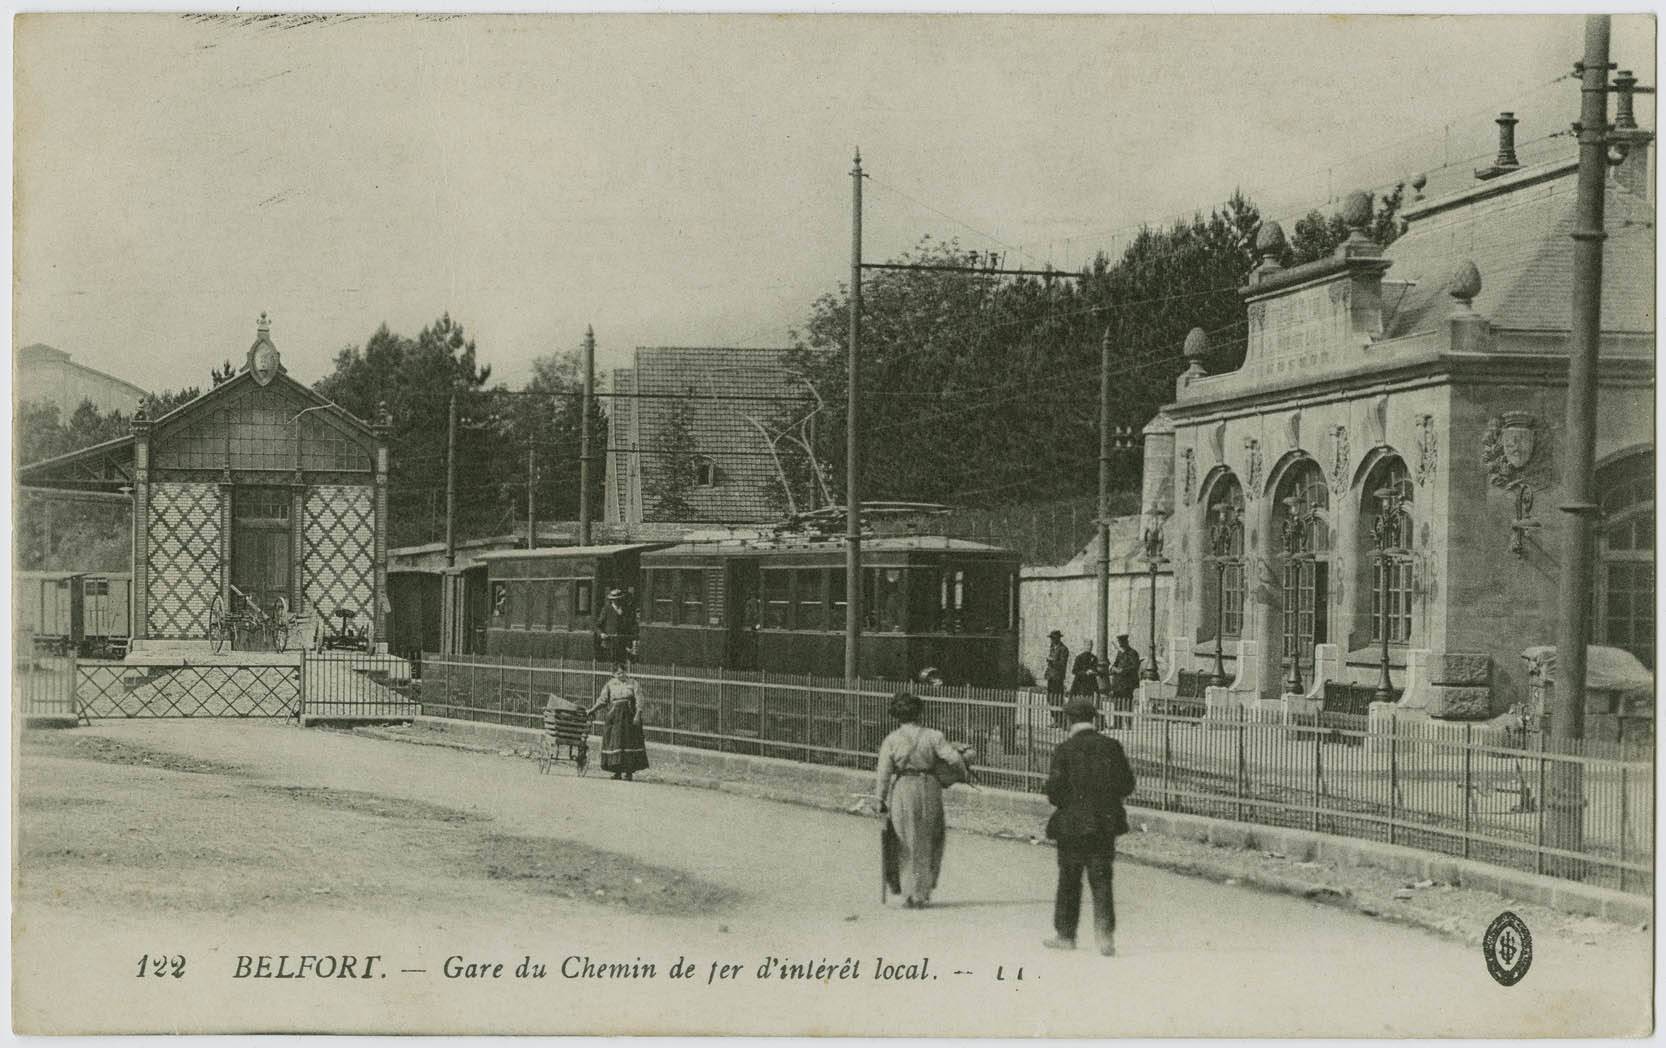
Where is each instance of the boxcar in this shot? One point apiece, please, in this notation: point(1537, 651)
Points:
point(84, 612)
point(927, 602)
point(544, 602)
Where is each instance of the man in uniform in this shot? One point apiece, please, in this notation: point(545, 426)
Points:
point(1124, 677)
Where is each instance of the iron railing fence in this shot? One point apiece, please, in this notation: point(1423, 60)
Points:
point(351, 685)
point(1464, 790)
point(44, 685)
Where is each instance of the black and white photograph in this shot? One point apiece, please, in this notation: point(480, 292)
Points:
point(804, 523)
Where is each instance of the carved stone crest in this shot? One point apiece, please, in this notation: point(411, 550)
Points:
point(1188, 474)
point(1339, 459)
point(1508, 446)
point(264, 363)
point(1217, 442)
point(1293, 430)
point(1252, 456)
point(1428, 454)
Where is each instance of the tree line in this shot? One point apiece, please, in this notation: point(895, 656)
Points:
point(977, 390)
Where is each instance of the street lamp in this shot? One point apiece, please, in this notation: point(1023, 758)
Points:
point(1222, 533)
point(1297, 528)
point(1154, 559)
point(1386, 534)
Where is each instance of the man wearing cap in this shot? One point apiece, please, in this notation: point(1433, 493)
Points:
point(1058, 663)
point(1124, 677)
point(1089, 778)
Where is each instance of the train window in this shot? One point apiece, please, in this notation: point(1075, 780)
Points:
point(951, 602)
point(691, 597)
point(500, 601)
point(97, 588)
point(884, 597)
point(810, 611)
point(662, 598)
point(560, 605)
point(837, 603)
point(778, 599)
point(583, 592)
point(516, 613)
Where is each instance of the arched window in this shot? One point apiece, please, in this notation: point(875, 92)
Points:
point(1386, 541)
point(1223, 560)
point(1301, 526)
point(1625, 550)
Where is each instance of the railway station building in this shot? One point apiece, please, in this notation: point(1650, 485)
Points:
point(261, 487)
point(1386, 463)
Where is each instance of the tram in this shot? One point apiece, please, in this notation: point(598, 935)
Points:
point(776, 605)
point(64, 612)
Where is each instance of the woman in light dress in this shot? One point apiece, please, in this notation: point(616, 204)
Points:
point(624, 751)
point(909, 792)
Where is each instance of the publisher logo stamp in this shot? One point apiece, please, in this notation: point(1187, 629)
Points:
point(1508, 947)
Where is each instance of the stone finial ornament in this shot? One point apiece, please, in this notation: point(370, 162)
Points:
point(1196, 351)
point(1269, 240)
point(1418, 181)
point(1357, 210)
point(1465, 283)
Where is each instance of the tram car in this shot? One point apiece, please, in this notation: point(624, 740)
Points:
point(774, 605)
point(545, 603)
point(86, 613)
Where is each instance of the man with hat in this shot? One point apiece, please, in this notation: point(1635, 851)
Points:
point(1058, 663)
point(613, 627)
point(1089, 778)
point(1124, 677)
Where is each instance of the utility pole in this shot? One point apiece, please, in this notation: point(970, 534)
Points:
point(1103, 617)
point(853, 504)
point(584, 436)
point(451, 482)
point(1564, 789)
point(531, 521)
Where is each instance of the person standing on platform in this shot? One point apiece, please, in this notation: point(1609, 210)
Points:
point(1087, 783)
point(1124, 678)
point(613, 623)
point(1084, 673)
point(1058, 663)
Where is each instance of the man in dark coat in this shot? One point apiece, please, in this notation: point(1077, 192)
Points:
point(1124, 677)
point(1084, 673)
point(1088, 781)
point(612, 626)
point(1058, 663)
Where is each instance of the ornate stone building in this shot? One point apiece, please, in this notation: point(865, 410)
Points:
point(1385, 464)
point(259, 486)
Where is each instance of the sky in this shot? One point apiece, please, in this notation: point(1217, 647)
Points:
point(681, 180)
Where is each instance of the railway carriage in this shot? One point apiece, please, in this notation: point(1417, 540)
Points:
point(544, 602)
point(780, 608)
point(87, 613)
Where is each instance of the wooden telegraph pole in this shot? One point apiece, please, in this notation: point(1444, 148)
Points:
point(584, 436)
point(853, 513)
point(1564, 800)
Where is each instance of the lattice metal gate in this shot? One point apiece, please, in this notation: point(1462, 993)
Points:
point(114, 690)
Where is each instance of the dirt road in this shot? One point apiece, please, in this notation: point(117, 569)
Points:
point(217, 841)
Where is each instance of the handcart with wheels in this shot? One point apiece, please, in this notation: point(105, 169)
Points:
point(566, 735)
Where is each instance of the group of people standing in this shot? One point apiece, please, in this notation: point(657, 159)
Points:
point(1087, 783)
point(1090, 675)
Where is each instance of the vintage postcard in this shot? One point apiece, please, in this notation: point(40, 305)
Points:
point(892, 525)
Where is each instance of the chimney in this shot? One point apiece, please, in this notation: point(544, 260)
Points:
point(1506, 160)
point(1632, 171)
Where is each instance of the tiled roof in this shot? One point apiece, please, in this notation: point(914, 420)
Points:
point(749, 384)
point(1519, 241)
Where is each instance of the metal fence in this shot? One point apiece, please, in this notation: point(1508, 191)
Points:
point(1461, 790)
point(330, 685)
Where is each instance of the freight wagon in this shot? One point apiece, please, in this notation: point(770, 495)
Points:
point(86, 613)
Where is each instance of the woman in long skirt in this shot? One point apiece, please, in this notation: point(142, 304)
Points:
point(911, 795)
point(624, 751)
